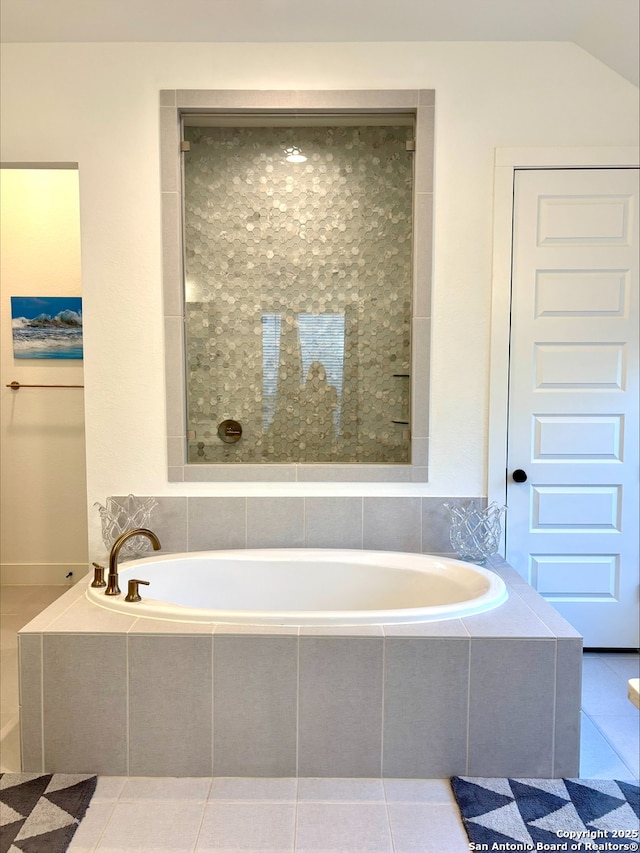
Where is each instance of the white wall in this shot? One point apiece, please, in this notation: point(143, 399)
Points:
point(43, 515)
point(97, 105)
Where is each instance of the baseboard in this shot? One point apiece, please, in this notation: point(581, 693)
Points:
point(49, 574)
point(610, 650)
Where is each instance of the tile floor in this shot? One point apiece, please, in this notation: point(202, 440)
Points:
point(303, 815)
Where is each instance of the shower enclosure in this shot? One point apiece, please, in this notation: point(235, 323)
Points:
point(298, 283)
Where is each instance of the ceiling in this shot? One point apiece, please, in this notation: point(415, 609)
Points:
point(608, 29)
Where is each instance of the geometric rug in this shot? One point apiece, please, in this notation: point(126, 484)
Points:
point(548, 814)
point(39, 813)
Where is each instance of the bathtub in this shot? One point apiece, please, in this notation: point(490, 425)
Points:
point(494, 694)
point(298, 587)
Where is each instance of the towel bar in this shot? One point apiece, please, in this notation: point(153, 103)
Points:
point(15, 386)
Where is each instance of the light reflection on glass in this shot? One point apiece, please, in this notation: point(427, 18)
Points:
point(320, 346)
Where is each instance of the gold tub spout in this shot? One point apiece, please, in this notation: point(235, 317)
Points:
point(112, 585)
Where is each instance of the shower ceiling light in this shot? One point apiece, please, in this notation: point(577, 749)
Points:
point(293, 154)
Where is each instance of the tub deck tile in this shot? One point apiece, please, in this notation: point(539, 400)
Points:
point(342, 631)
point(512, 619)
point(443, 628)
point(42, 621)
point(164, 627)
point(221, 630)
point(83, 617)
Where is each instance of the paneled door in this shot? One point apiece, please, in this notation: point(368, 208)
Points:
point(572, 456)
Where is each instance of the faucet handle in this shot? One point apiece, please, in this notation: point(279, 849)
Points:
point(132, 592)
point(98, 575)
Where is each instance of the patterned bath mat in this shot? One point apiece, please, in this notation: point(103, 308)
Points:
point(548, 814)
point(40, 813)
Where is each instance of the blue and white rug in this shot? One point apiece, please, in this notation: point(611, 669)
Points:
point(548, 814)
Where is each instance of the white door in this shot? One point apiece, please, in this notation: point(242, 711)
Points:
point(572, 524)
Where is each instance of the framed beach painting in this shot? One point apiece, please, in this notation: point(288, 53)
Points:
point(46, 326)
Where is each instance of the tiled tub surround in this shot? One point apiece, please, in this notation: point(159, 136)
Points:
point(416, 524)
point(496, 694)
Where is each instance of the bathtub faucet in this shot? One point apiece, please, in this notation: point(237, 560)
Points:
point(112, 585)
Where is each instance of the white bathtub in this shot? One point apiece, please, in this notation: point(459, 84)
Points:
point(304, 586)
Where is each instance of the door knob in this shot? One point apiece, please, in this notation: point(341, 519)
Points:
point(519, 476)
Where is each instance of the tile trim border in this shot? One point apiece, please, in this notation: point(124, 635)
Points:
point(175, 103)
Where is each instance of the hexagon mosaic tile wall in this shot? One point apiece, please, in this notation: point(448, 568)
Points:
point(298, 293)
